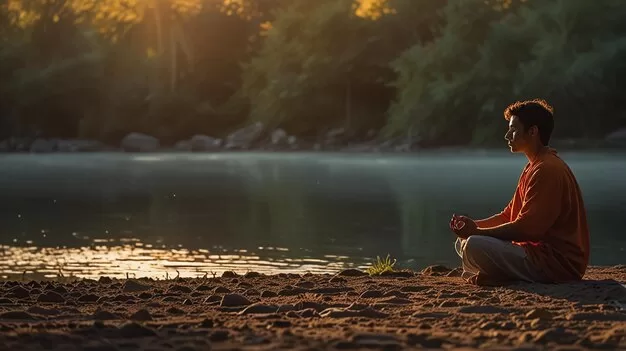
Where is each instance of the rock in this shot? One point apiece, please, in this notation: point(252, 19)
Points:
point(278, 137)
point(133, 286)
point(259, 308)
point(371, 294)
point(486, 309)
point(80, 145)
point(212, 299)
point(345, 313)
point(105, 280)
point(16, 315)
point(596, 316)
point(305, 285)
point(105, 316)
point(370, 341)
point(424, 340)
point(51, 297)
point(229, 274)
point(207, 323)
point(557, 335)
point(43, 146)
point(252, 275)
point(279, 324)
point(617, 137)
point(539, 313)
point(137, 142)
point(435, 270)
point(268, 293)
point(203, 287)
point(337, 280)
point(308, 313)
point(243, 138)
point(43, 311)
point(351, 273)
point(5, 301)
point(183, 145)
point(179, 288)
point(204, 143)
point(221, 290)
point(135, 330)
point(174, 310)
point(232, 300)
point(141, 315)
point(219, 335)
point(88, 298)
point(18, 292)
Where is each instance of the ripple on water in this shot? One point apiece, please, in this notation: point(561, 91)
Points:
point(142, 260)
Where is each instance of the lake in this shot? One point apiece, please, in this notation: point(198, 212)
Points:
point(192, 214)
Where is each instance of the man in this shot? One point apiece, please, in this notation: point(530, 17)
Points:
point(542, 234)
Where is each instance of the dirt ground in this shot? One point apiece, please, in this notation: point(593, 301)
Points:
point(433, 309)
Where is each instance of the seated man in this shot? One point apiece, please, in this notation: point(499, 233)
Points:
point(542, 234)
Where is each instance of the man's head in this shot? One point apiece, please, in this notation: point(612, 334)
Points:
point(530, 125)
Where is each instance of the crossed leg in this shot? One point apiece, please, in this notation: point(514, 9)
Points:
point(488, 260)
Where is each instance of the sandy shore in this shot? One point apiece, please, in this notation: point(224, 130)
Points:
point(429, 309)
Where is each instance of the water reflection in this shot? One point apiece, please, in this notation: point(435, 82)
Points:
point(328, 211)
point(115, 259)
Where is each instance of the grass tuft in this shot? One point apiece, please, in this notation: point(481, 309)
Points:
point(381, 266)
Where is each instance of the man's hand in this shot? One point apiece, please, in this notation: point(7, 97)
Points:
point(463, 226)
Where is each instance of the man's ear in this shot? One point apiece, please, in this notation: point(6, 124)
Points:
point(534, 130)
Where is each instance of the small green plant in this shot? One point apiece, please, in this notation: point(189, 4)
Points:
point(381, 266)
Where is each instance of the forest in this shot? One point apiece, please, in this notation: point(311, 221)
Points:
point(433, 72)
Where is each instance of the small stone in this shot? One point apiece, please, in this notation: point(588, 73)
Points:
point(252, 275)
point(485, 309)
point(539, 313)
point(50, 297)
point(221, 290)
point(135, 330)
point(371, 294)
point(259, 308)
point(88, 298)
point(174, 310)
point(279, 324)
point(231, 300)
point(219, 335)
point(179, 288)
point(43, 311)
point(203, 287)
point(229, 274)
point(133, 286)
point(351, 273)
point(268, 293)
point(105, 280)
point(16, 315)
point(105, 315)
point(435, 270)
point(141, 315)
point(596, 316)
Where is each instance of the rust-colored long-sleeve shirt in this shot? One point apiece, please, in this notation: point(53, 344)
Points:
point(548, 210)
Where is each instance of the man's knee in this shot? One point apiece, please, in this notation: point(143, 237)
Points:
point(476, 245)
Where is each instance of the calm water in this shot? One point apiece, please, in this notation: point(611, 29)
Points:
point(194, 214)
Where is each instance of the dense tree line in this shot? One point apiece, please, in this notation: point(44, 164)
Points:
point(434, 71)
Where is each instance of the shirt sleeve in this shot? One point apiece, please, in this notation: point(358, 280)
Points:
point(541, 204)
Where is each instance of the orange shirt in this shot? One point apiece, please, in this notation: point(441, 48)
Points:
point(548, 209)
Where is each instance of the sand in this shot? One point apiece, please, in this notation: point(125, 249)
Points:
point(411, 310)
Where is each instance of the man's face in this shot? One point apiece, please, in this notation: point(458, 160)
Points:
point(516, 136)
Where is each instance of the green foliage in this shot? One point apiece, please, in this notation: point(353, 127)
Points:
point(454, 89)
point(438, 71)
point(381, 266)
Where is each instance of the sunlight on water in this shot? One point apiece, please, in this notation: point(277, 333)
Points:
point(138, 260)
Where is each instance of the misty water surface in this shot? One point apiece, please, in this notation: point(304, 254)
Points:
point(155, 214)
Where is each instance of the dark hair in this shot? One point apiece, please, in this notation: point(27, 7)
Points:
point(535, 112)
